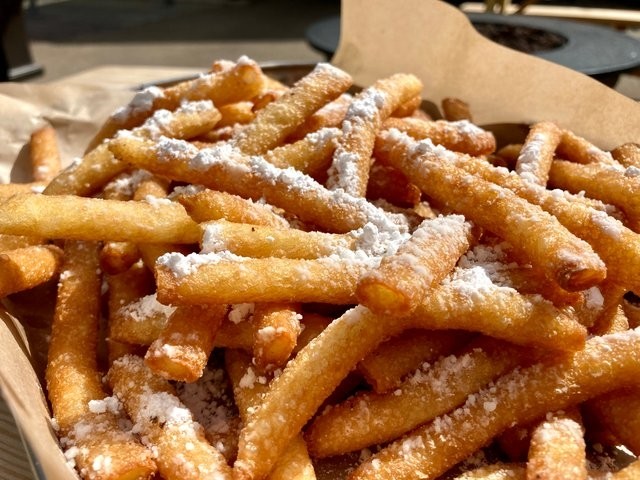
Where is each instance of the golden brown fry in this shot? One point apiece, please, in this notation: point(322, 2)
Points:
point(73, 380)
point(12, 242)
point(391, 185)
point(454, 109)
point(516, 398)
point(330, 115)
point(612, 185)
point(618, 412)
point(628, 155)
point(402, 280)
point(460, 136)
point(140, 321)
point(408, 108)
point(8, 190)
point(506, 156)
point(225, 278)
point(239, 112)
point(282, 116)
point(166, 425)
point(311, 154)
point(182, 350)
point(294, 464)
point(27, 267)
point(536, 155)
point(567, 259)
point(259, 241)
point(495, 471)
point(630, 472)
point(580, 150)
point(349, 169)
point(277, 329)
point(385, 367)
point(204, 205)
point(240, 81)
point(557, 448)
point(69, 216)
point(428, 393)
point(44, 154)
point(117, 257)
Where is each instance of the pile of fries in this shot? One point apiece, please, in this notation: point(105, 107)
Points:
point(289, 274)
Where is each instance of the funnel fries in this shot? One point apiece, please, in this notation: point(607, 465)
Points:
point(372, 280)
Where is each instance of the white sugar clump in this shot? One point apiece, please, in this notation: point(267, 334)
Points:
point(632, 172)
point(594, 299)
point(240, 312)
point(127, 184)
point(157, 201)
point(249, 379)
point(182, 265)
point(529, 158)
point(366, 105)
point(212, 239)
point(168, 149)
point(324, 136)
point(465, 127)
point(609, 225)
point(107, 404)
point(146, 307)
point(196, 106)
point(221, 153)
point(141, 103)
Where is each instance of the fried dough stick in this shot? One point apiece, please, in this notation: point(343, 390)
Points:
point(535, 158)
point(460, 136)
point(166, 425)
point(627, 154)
point(557, 450)
point(226, 278)
point(124, 288)
point(82, 218)
point(73, 379)
point(24, 268)
point(352, 158)
point(276, 336)
point(330, 115)
point(455, 109)
point(423, 396)
point(205, 205)
point(98, 166)
point(606, 363)
point(294, 464)
point(236, 82)
point(385, 368)
point(259, 241)
point(44, 154)
point(567, 259)
point(182, 350)
point(281, 117)
point(401, 281)
point(580, 150)
point(295, 395)
point(613, 185)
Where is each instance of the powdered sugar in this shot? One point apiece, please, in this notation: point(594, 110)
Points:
point(141, 103)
